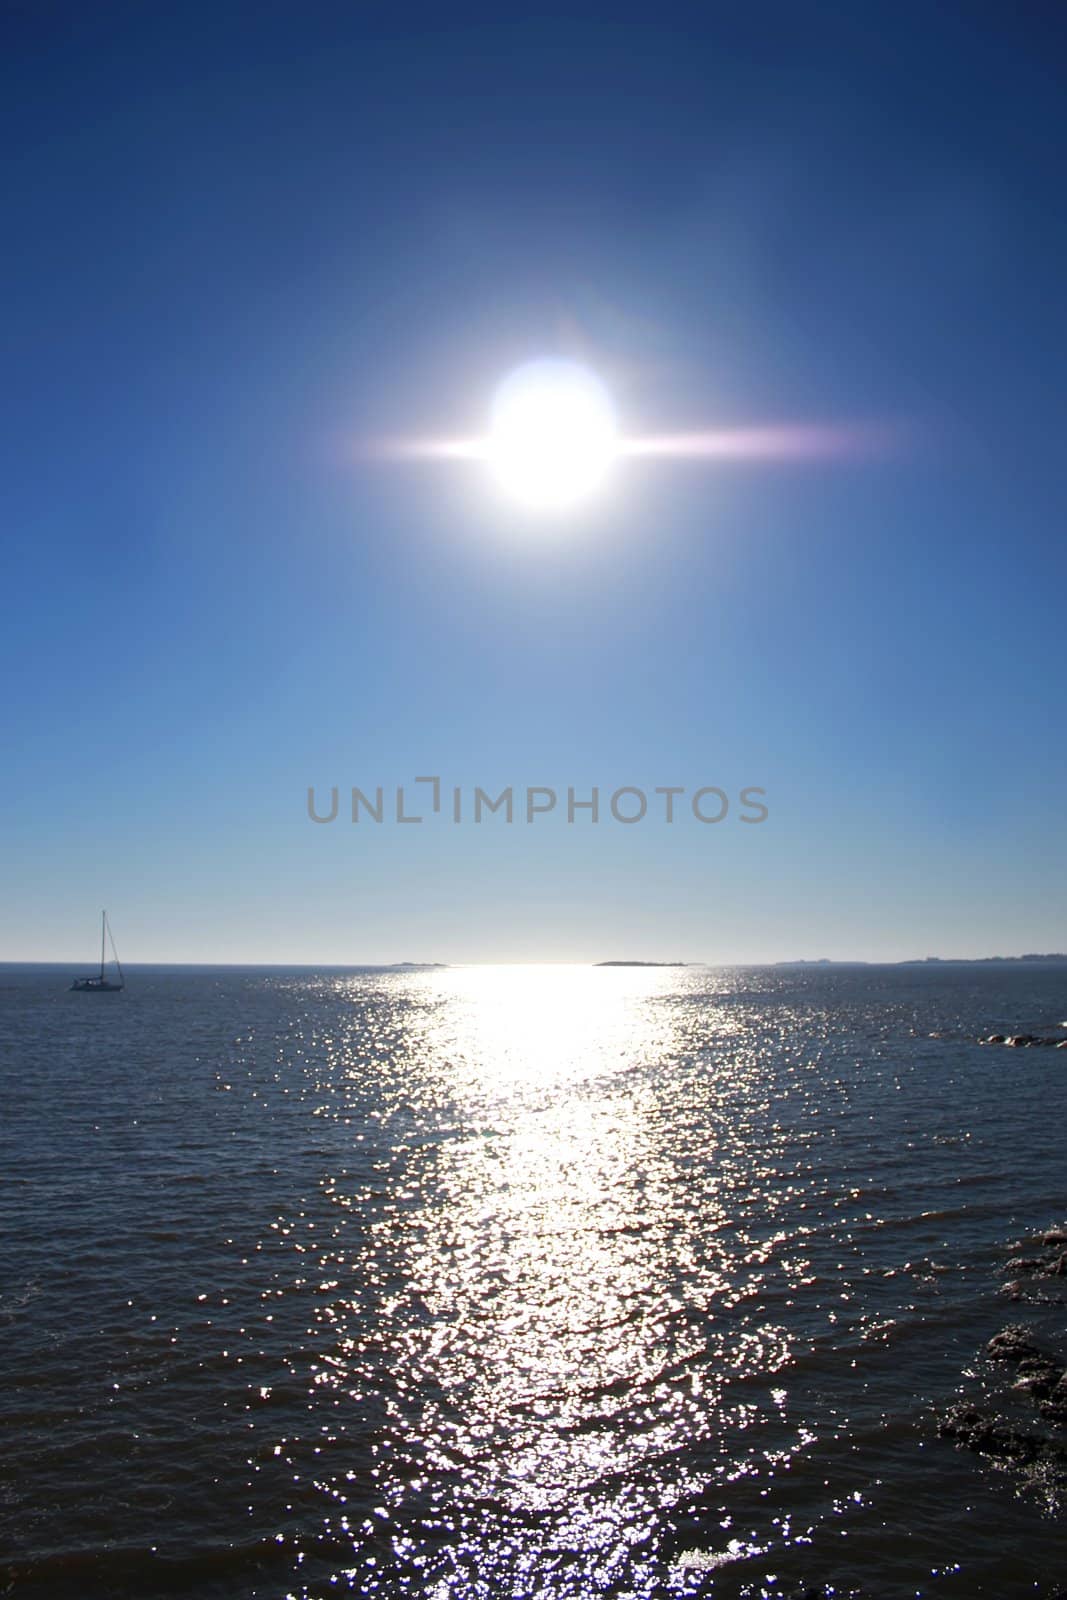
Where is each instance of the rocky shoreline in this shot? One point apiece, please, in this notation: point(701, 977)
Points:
point(1021, 1369)
point(1021, 1040)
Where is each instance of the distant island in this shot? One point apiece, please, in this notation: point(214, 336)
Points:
point(1056, 958)
point(972, 961)
point(821, 961)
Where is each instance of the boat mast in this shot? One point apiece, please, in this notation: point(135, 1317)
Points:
point(103, 931)
point(118, 963)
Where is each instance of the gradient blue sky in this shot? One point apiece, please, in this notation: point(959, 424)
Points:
point(241, 238)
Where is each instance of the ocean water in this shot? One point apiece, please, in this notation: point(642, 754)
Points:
point(521, 1282)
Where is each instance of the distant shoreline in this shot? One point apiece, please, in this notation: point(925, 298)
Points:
point(645, 963)
point(1052, 959)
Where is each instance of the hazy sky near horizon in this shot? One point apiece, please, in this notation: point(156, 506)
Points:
point(242, 240)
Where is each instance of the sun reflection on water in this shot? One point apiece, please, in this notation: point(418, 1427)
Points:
point(535, 1278)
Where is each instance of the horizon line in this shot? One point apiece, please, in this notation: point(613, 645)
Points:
point(351, 965)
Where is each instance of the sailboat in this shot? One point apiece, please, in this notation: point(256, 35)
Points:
point(101, 984)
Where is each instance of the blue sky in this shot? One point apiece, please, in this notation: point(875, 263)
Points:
point(239, 243)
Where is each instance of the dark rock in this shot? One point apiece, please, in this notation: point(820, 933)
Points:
point(989, 1435)
point(1012, 1344)
point(1053, 1265)
point(1021, 1040)
point(1054, 1406)
point(1039, 1376)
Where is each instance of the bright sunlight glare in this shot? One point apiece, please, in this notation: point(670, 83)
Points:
point(552, 434)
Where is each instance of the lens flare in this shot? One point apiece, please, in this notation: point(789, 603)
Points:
point(554, 437)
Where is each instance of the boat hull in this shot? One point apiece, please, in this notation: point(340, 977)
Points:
point(95, 986)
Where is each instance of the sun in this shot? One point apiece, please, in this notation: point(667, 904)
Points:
point(553, 434)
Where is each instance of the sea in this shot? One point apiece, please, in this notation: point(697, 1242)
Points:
point(525, 1282)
